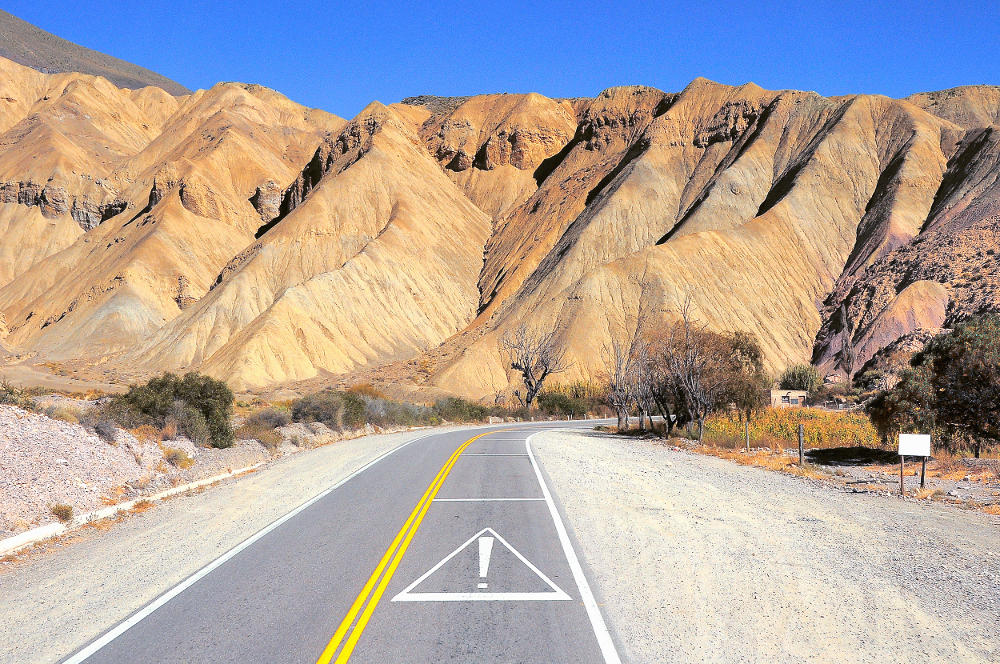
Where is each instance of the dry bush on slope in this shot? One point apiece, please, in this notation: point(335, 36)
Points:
point(177, 458)
point(263, 434)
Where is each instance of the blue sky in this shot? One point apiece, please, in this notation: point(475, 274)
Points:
point(339, 56)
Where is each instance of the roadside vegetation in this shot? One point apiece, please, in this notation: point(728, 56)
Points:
point(777, 428)
point(711, 387)
point(196, 406)
point(951, 390)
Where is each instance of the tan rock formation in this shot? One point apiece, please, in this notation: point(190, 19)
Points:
point(235, 232)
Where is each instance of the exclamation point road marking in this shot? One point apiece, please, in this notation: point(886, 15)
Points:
point(485, 549)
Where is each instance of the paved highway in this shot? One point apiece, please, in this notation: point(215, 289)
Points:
point(448, 549)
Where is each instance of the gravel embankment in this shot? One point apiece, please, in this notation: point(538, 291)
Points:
point(697, 559)
point(56, 600)
point(44, 462)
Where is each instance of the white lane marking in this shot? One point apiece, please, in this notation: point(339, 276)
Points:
point(481, 500)
point(497, 454)
point(143, 613)
point(485, 550)
point(604, 639)
point(555, 594)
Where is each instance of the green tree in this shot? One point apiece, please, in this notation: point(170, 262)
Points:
point(748, 388)
point(800, 377)
point(953, 387)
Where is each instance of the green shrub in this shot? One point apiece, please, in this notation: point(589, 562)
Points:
point(800, 377)
point(354, 410)
point(200, 405)
point(325, 407)
point(192, 424)
point(558, 403)
point(271, 417)
point(454, 409)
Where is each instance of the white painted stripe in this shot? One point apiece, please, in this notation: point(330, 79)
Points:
point(482, 597)
point(137, 617)
point(604, 639)
point(494, 454)
point(480, 500)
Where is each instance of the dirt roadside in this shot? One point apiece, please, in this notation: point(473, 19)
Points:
point(697, 559)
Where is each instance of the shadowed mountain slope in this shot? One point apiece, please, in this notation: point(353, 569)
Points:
point(33, 47)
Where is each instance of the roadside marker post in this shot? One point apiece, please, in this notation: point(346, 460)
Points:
point(913, 444)
point(802, 436)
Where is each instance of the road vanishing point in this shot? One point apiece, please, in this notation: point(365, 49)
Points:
point(449, 548)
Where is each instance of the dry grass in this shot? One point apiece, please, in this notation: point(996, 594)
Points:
point(146, 433)
point(927, 492)
point(141, 506)
point(63, 512)
point(102, 525)
point(63, 414)
point(992, 509)
point(367, 390)
point(169, 431)
point(114, 496)
point(177, 458)
point(778, 428)
point(767, 460)
point(263, 434)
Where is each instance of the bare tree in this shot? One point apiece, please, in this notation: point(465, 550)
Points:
point(536, 355)
point(697, 363)
point(642, 375)
point(619, 380)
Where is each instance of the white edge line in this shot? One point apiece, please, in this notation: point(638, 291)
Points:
point(480, 500)
point(405, 596)
point(604, 639)
point(136, 618)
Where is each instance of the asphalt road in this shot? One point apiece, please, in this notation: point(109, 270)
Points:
point(450, 549)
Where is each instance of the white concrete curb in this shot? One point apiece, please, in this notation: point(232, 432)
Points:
point(35, 535)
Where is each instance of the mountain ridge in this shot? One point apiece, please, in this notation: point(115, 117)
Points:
point(235, 232)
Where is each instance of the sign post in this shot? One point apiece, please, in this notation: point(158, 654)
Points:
point(913, 444)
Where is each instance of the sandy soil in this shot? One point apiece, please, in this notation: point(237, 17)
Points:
point(698, 559)
point(54, 601)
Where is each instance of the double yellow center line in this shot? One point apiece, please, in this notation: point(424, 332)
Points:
point(367, 600)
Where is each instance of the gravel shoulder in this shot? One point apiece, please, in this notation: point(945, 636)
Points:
point(55, 600)
point(697, 559)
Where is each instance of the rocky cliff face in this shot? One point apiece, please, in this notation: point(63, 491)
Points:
point(235, 232)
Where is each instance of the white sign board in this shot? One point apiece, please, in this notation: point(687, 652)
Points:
point(915, 444)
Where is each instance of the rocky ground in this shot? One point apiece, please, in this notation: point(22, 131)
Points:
point(46, 462)
point(698, 559)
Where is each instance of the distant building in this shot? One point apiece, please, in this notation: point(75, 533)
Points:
point(788, 398)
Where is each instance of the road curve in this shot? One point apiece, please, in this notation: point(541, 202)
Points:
point(448, 549)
